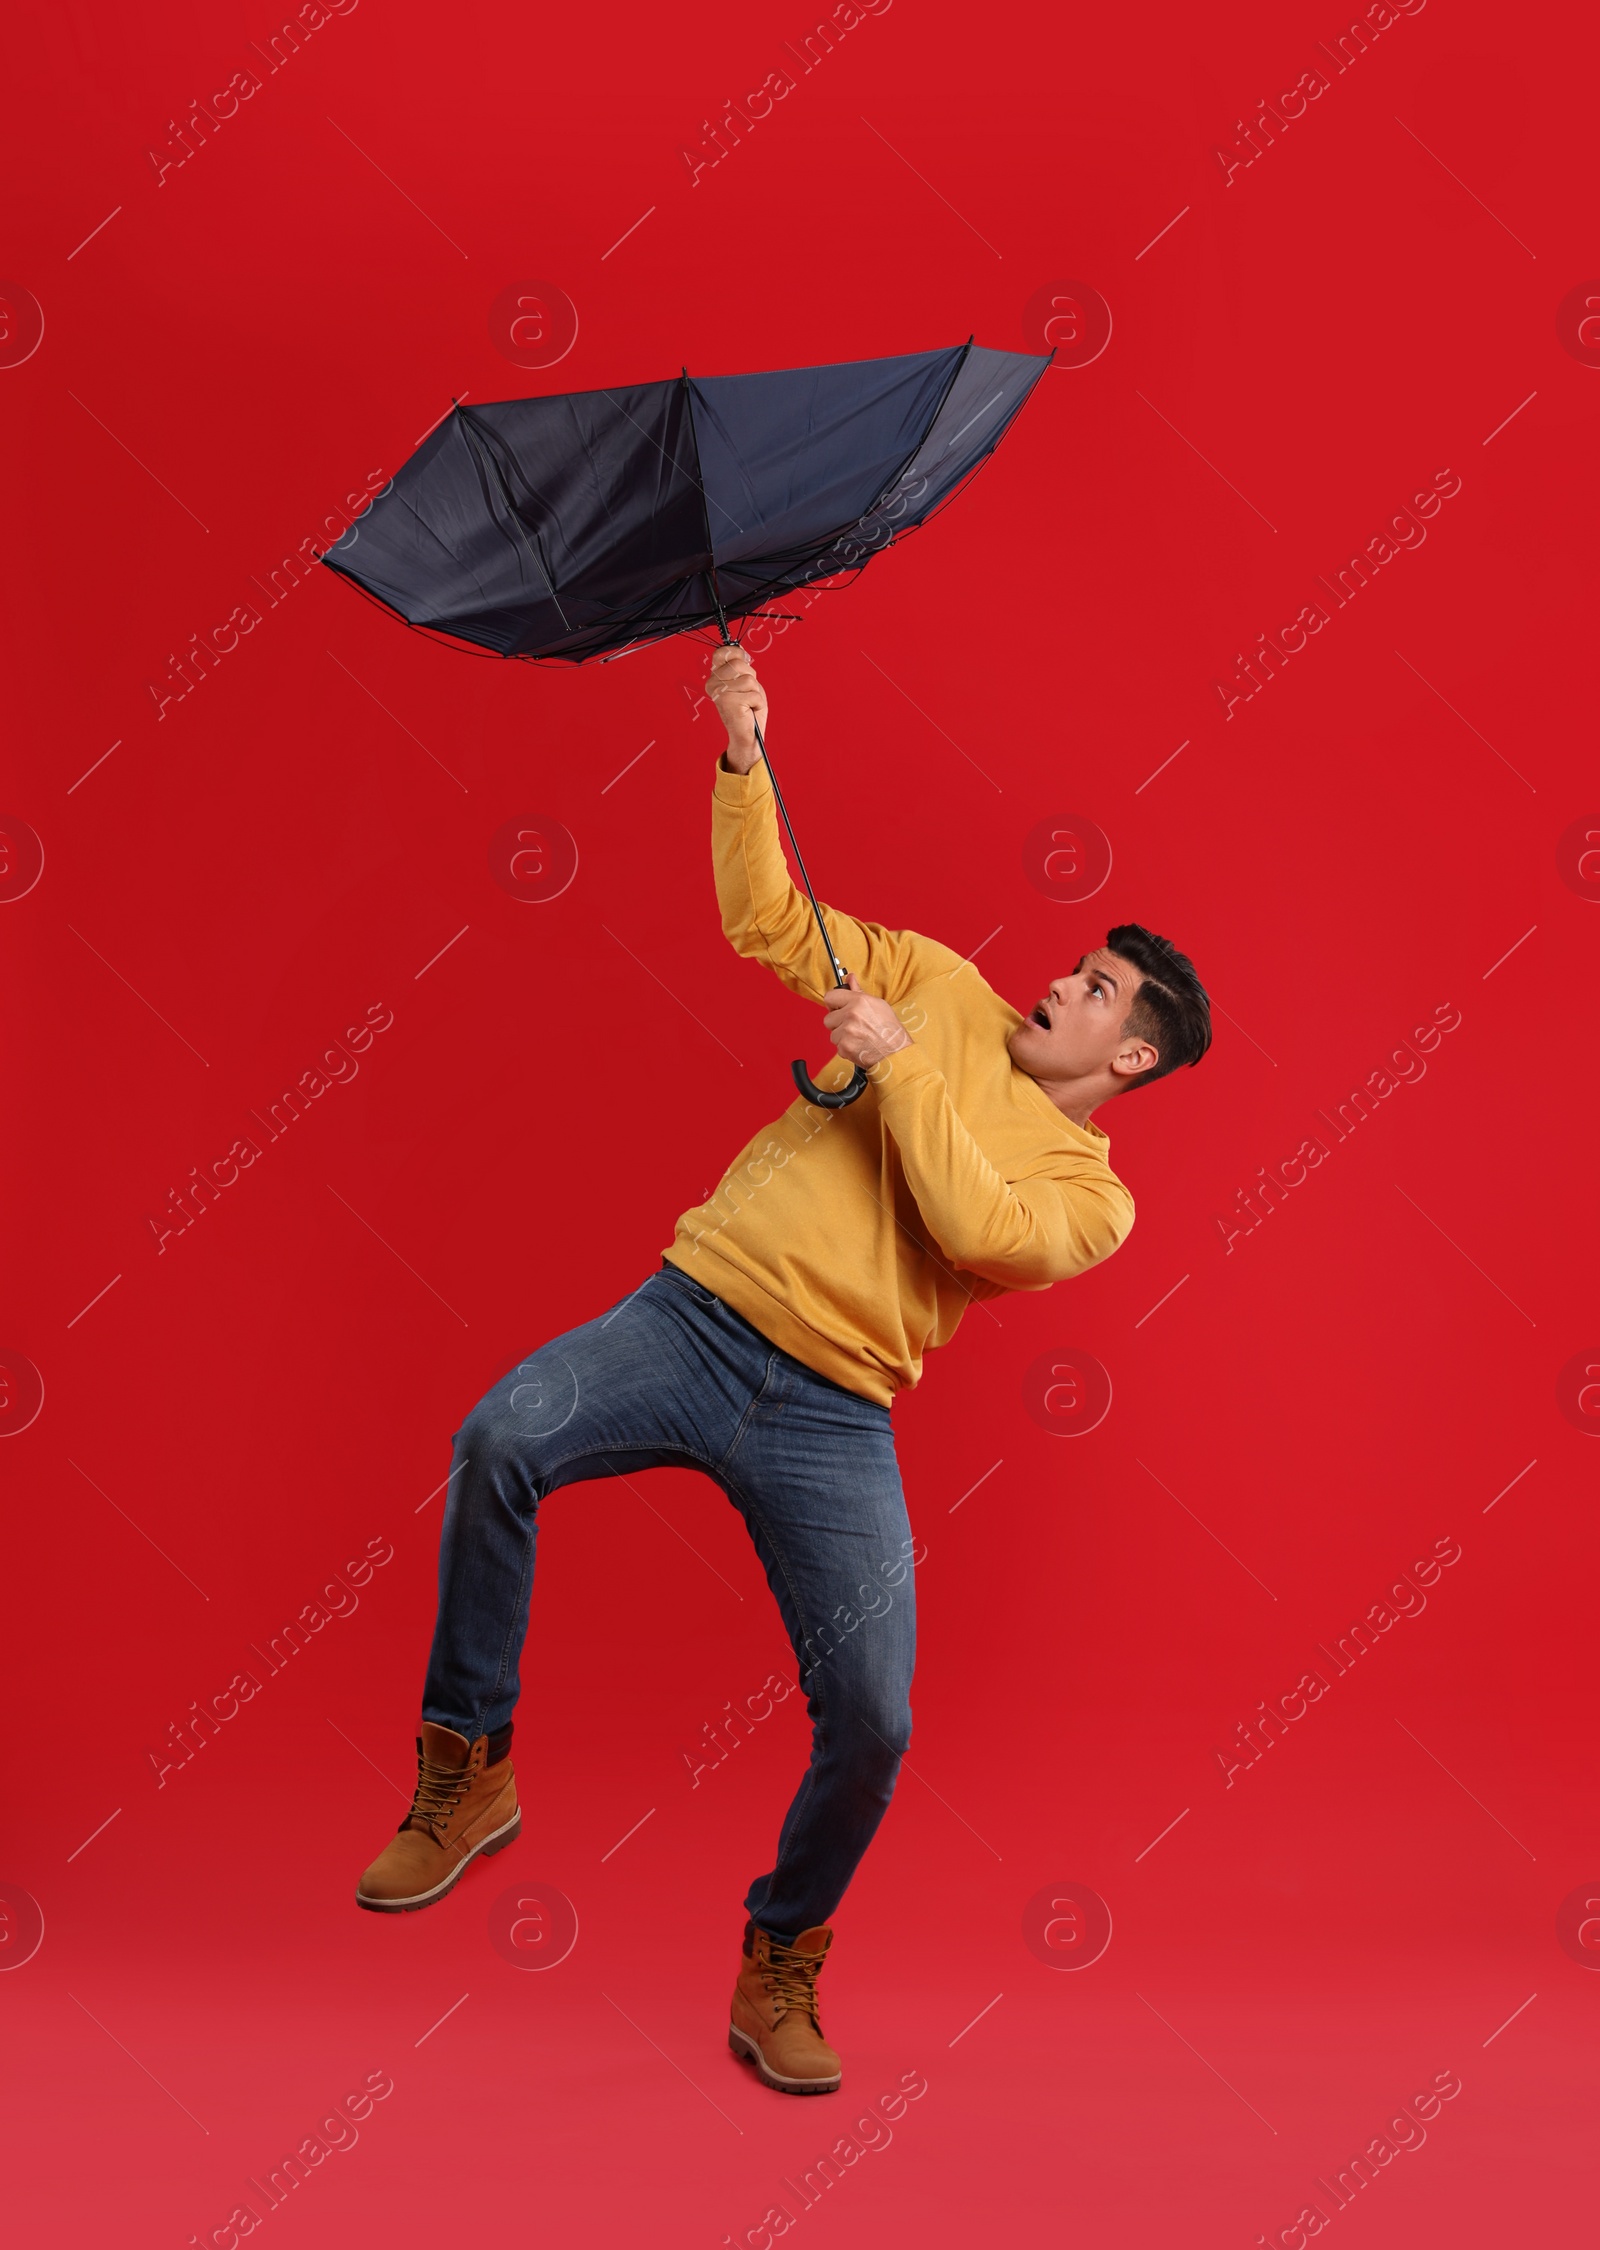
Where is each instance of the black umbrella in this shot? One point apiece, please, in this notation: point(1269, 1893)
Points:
point(560, 529)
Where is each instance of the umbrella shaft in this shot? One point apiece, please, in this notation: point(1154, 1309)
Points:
point(777, 793)
point(827, 942)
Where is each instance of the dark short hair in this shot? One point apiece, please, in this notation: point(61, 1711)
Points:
point(1171, 1007)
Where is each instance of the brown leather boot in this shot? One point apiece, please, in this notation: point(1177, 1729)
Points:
point(462, 1807)
point(774, 2020)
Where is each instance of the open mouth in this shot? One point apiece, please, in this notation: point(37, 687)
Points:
point(1041, 1016)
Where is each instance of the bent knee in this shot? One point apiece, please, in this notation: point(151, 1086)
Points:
point(494, 1442)
point(880, 1727)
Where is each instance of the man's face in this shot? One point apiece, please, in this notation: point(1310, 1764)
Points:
point(1075, 1031)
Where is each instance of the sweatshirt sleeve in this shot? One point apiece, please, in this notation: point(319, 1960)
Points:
point(768, 917)
point(1023, 1236)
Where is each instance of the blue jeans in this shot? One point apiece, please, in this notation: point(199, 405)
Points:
point(672, 1376)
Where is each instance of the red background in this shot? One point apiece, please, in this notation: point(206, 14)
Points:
point(222, 363)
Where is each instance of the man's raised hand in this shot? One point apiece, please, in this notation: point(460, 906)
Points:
point(741, 701)
point(863, 1029)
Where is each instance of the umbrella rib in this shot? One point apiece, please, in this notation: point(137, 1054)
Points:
point(667, 457)
point(511, 506)
point(962, 356)
point(978, 417)
point(803, 558)
point(987, 454)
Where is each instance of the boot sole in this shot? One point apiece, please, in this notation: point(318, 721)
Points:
point(747, 2051)
point(496, 1842)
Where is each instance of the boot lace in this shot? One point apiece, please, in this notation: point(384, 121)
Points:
point(791, 1978)
point(440, 1790)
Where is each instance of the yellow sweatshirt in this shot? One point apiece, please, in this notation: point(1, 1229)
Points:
point(855, 1238)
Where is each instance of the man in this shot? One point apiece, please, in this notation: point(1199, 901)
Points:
point(789, 1310)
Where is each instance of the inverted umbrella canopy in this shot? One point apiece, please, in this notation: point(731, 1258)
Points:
point(580, 525)
point(560, 529)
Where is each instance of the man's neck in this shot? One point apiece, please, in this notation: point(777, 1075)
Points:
point(1076, 1098)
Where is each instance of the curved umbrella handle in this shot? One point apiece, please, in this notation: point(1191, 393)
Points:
point(841, 1100)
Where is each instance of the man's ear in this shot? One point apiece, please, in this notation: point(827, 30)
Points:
point(1133, 1061)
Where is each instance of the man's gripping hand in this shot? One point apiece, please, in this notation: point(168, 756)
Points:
point(863, 1029)
point(741, 702)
